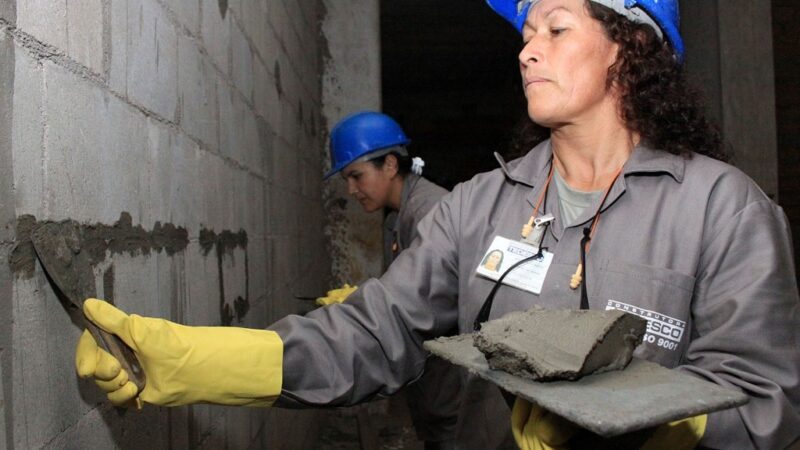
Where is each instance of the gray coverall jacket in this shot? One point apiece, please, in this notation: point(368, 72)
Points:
point(692, 244)
point(433, 399)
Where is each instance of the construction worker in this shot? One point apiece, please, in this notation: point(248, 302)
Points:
point(369, 149)
point(684, 239)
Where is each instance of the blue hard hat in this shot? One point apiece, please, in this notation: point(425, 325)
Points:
point(663, 12)
point(360, 134)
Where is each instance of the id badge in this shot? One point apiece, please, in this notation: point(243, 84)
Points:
point(504, 253)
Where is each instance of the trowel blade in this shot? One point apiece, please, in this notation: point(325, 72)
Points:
point(58, 247)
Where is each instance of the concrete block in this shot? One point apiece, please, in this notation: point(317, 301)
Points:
point(43, 344)
point(266, 143)
point(310, 11)
point(241, 63)
point(7, 209)
point(278, 19)
point(296, 19)
point(202, 290)
point(179, 420)
point(173, 188)
point(239, 133)
point(216, 33)
point(256, 317)
point(209, 430)
point(28, 134)
point(219, 193)
point(140, 282)
point(254, 222)
point(217, 209)
point(238, 427)
point(8, 12)
point(118, 64)
point(46, 20)
point(90, 431)
point(231, 114)
point(283, 263)
point(266, 94)
point(198, 96)
point(2, 402)
point(152, 67)
point(253, 17)
point(188, 14)
point(234, 285)
point(282, 213)
point(97, 162)
point(253, 142)
point(289, 119)
point(283, 169)
point(257, 279)
point(85, 33)
point(239, 198)
point(311, 178)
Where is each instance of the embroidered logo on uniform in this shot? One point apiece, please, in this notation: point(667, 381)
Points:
point(662, 330)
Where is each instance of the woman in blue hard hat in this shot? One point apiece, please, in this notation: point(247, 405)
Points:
point(369, 150)
point(625, 209)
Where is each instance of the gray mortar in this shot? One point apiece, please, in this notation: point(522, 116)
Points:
point(560, 344)
point(65, 258)
point(94, 241)
point(224, 243)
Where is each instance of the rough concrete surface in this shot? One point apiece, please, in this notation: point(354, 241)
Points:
point(545, 344)
point(142, 123)
point(642, 395)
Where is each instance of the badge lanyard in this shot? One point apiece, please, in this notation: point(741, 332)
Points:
point(586, 243)
point(577, 278)
point(483, 314)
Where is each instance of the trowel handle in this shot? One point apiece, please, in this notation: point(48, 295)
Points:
point(124, 354)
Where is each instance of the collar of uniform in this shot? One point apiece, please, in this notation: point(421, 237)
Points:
point(409, 183)
point(644, 159)
point(529, 168)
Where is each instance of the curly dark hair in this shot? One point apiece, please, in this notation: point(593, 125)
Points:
point(656, 101)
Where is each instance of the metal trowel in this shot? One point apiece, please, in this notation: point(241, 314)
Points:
point(69, 270)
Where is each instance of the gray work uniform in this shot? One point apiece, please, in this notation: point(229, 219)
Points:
point(692, 244)
point(433, 400)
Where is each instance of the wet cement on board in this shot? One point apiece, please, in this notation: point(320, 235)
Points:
point(546, 345)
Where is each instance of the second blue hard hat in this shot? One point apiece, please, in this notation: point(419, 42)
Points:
point(362, 134)
point(664, 13)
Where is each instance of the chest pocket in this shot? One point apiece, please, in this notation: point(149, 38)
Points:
point(662, 296)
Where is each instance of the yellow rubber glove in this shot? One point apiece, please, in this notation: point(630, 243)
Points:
point(535, 428)
point(336, 295)
point(679, 435)
point(222, 365)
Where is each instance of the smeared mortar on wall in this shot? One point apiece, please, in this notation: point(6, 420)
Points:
point(95, 242)
point(277, 71)
point(225, 243)
point(223, 7)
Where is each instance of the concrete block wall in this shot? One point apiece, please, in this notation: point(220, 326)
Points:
point(203, 117)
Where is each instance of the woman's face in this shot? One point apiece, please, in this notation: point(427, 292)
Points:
point(564, 63)
point(494, 258)
point(370, 185)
